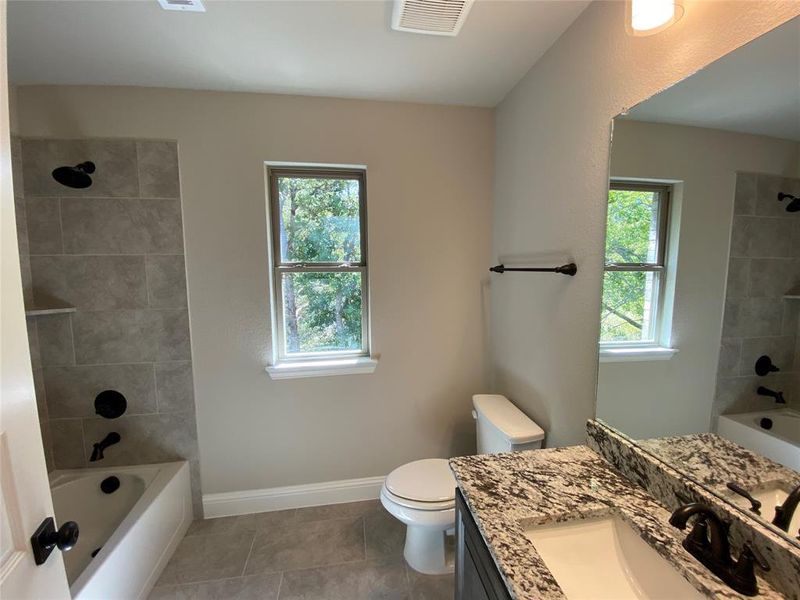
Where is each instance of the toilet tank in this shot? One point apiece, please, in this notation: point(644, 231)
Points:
point(502, 427)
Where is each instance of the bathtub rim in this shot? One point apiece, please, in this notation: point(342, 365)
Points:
point(165, 472)
point(744, 420)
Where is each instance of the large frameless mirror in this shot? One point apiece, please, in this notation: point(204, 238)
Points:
point(700, 335)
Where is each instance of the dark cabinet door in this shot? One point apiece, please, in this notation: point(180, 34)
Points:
point(468, 583)
point(477, 577)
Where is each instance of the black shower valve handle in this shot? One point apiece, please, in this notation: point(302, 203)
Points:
point(764, 366)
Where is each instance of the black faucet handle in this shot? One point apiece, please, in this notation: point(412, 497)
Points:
point(698, 536)
point(753, 556)
point(743, 577)
point(755, 505)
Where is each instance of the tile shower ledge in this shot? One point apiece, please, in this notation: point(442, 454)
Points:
point(40, 311)
point(323, 368)
point(508, 492)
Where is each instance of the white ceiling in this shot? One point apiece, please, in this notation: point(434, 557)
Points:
point(325, 48)
point(755, 89)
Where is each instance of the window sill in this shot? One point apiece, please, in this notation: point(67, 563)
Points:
point(360, 365)
point(632, 354)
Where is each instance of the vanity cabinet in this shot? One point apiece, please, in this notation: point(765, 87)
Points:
point(477, 577)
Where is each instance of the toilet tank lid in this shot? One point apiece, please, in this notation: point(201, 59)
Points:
point(507, 418)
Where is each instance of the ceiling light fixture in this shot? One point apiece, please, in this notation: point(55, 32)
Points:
point(646, 17)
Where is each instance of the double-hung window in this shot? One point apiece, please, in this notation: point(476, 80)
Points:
point(634, 280)
point(319, 266)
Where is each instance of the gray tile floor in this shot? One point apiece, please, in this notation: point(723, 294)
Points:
point(348, 551)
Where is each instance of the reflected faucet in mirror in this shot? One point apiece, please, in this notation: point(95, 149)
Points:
point(755, 504)
point(785, 512)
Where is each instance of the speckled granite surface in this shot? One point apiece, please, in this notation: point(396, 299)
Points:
point(672, 488)
point(508, 492)
point(714, 461)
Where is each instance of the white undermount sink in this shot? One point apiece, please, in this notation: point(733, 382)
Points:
point(605, 558)
point(770, 497)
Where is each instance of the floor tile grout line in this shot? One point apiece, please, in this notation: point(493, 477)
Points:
point(202, 581)
point(364, 531)
point(280, 587)
point(249, 553)
point(331, 565)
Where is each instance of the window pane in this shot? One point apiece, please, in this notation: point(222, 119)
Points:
point(632, 227)
point(629, 306)
point(319, 220)
point(322, 311)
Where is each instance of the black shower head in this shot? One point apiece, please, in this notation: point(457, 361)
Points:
point(794, 202)
point(75, 177)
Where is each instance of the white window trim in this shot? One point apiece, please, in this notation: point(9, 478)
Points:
point(660, 349)
point(355, 363)
point(610, 354)
point(359, 365)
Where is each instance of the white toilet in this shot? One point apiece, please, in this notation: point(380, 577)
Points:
point(421, 494)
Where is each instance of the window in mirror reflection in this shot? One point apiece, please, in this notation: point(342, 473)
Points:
point(636, 232)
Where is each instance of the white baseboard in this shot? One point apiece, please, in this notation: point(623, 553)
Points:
point(228, 504)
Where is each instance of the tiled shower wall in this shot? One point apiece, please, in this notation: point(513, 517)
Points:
point(764, 266)
point(27, 290)
point(114, 251)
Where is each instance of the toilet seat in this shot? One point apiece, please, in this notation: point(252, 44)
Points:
point(421, 495)
point(416, 504)
point(425, 483)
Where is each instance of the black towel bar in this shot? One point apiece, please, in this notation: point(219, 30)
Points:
point(569, 269)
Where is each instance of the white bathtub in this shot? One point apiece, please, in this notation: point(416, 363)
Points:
point(781, 443)
point(137, 527)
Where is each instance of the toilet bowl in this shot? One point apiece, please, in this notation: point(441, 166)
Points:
point(421, 494)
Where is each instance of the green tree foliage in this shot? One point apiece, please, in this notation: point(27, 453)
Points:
point(319, 223)
point(630, 238)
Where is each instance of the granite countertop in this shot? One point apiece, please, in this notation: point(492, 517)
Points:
point(508, 492)
point(713, 461)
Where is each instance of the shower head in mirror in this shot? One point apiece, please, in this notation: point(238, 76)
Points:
point(75, 177)
point(794, 202)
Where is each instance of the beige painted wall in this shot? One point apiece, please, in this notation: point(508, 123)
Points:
point(551, 176)
point(429, 198)
point(674, 397)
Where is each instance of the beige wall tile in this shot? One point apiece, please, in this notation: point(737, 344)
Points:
point(71, 390)
point(158, 169)
point(115, 160)
point(90, 282)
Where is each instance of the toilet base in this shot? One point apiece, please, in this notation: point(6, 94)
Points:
point(426, 550)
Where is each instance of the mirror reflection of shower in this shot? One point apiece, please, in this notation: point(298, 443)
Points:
point(75, 177)
point(794, 202)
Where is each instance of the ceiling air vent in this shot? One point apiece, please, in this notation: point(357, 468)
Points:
point(434, 17)
point(186, 5)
